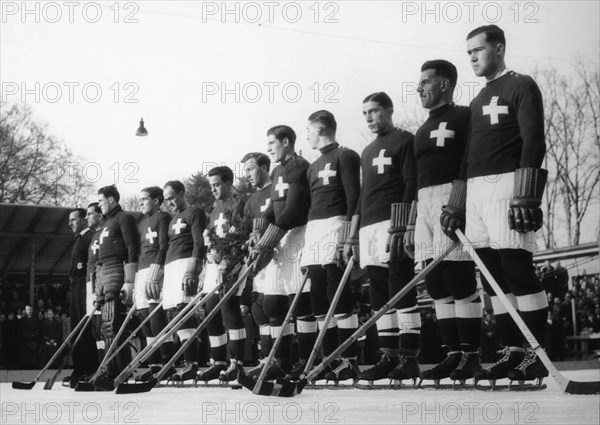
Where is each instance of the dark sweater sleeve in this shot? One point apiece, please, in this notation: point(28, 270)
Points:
point(198, 226)
point(530, 116)
point(350, 172)
point(163, 239)
point(269, 213)
point(462, 175)
point(131, 237)
point(295, 204)
point(409, 170)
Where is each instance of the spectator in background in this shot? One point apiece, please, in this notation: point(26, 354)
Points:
point(11, 341)
point(51, 336)
point(15, 303)
point(30, 338)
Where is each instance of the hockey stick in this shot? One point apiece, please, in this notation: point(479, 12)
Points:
point(334, 303)
point(50, 381)
point(373, 319)
point(29, 385)
point(565, 384)
point(108, 356)
point(126, 388)
point(261, 387)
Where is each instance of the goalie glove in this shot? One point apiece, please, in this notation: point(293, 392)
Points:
point(263, 253)
point(154, 282)
point(453, 213)
point(409, 235)
point(524, 214)
point(351, 242)
point(189, 284)
point(398, 222)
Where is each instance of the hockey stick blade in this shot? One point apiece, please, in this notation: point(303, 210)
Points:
point(84, 386)
point(143, 387)
point(267, 388)
point(585, 387)
point(23, 385)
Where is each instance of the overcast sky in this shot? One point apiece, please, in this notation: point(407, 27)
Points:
point(210, 83)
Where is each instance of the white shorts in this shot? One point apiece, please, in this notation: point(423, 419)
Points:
point(259, 282)
point(90, 297)
point(322, 238)
point(487, 214)
point(211, 273)
point(139, 291)
point(173, 293)
point(373, 242)
point(283, 274)
point(430, 241)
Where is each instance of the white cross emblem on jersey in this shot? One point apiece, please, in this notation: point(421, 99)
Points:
point(95, 246)
point(264, 207)
point(381, 161)
point(493, 110)
point(178, 226)
point(219, 223)
point(150, 235)
point(281, 187)
point(103, 235)
point(441, 134)
point(326, 172)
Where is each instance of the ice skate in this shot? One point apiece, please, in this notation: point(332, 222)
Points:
point(347, 369)
point(212, 373)
point(531, 368)
point(468, 367)
point(511, 358)
point(380, 370)
point(407, 368)
point(231, 373)
point(187, 371)
point(443, 369)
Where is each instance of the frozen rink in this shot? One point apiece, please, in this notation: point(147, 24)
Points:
point(189, 405)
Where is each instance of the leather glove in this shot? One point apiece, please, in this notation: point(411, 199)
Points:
point(154, 282)
point(453, 213)
point(398, 222)
point(524, 214)
point(351, 248)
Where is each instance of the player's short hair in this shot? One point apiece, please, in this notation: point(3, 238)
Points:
point(281, 132)
point(260, 158)
point(493, 34)
point(96, 207)
point(326, 119)
point(380, 98)
point(155, 192)
point(443, 68)
point(224, 172)
point(108, 191)
point(176, 185)
point(80, 212)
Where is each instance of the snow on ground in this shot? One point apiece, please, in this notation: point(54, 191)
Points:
point(168, 405)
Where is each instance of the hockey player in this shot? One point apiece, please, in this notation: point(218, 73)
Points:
point(389, 177)
point(117, 256)
point(154, 241)
point(282, 235)
point(256, 168)
point(504, 190)
point(225, 219)
point(439, 148)
point(334, 180)
point(183, 265)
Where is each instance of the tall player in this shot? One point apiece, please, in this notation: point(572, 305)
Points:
point(183, 265)
point(117, 256)
point(154, 242)
point(389, 177)
point(282, 226)
point(503, 194)
point(225, 217)
point(334, 180)
point(256, 168)
point(439, 148)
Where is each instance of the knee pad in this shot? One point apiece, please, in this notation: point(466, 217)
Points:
point(378, 287)
point(303, 308)
point(112, 318)
point(434, 282)
point(445, 308)
point(232, 315)
point(345, 304)
point(258, 312)
point(519, 273)
point(318, 297)
point(459, 277)
point(491, 259)
point(275, 306)
point(146, 328)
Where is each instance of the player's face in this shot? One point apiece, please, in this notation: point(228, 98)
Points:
point(430, 89)
point(76, 223)
point(221, 190)
point(106, 204)
point(92, 217)
point(147, 204)
point(483, 55)
point(253, 173)
point(312, 134)
point(378, 119)
point(275, 148)
point(175, 201)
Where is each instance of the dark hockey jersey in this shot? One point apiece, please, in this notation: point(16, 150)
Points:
point(507, 127)
point(185, 234)
point(334, 180)
point(258, 203)
point(93, 250)
point(79, 257)
point(389, 175)
point(225, 214)
point(154, 239)
point(440, 145)
point(289, 194)
point(119, 238)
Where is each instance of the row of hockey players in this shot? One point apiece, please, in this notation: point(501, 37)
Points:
point(472, 168)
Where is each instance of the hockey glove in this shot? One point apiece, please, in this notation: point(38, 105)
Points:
point(398, 222)
point(342, 237)
point(409, 235)
point(259, 226)
point(351, 244)
point(453, 214)
point(154, 282)
point(262, 254)
point(524, 214)
point(189, 284)
point(127, 294)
